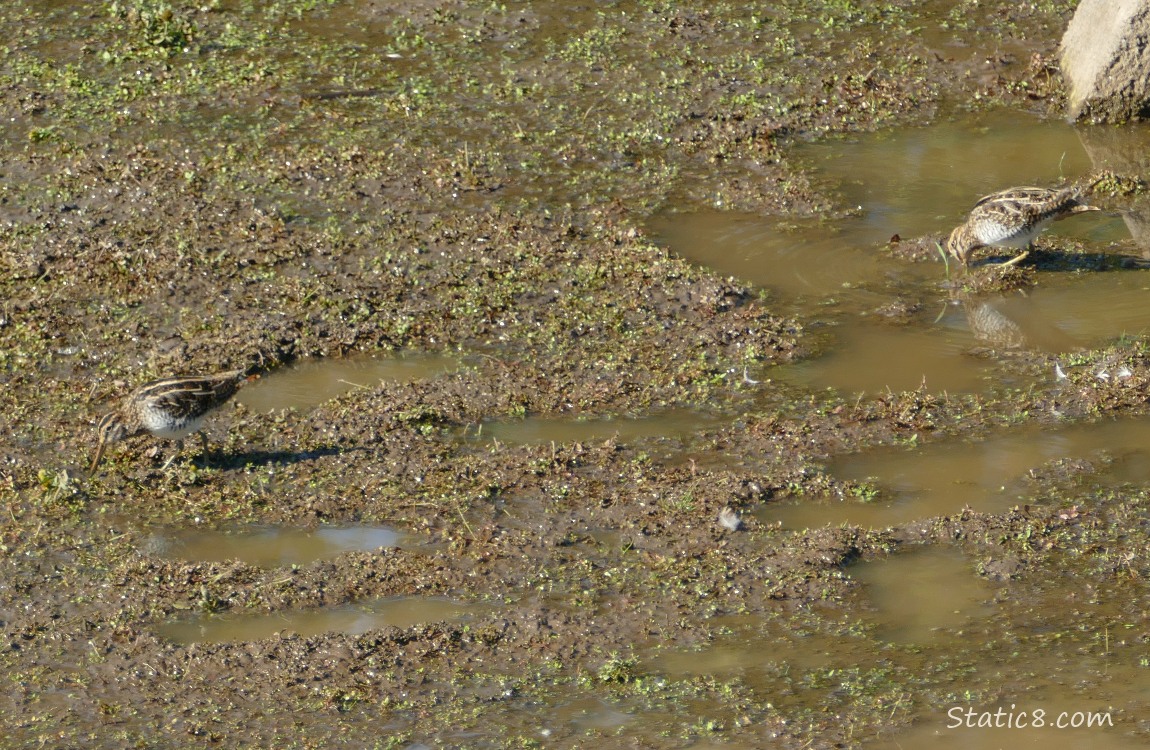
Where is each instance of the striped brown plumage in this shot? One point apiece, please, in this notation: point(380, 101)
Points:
point(1012, 218)
point(169, 408)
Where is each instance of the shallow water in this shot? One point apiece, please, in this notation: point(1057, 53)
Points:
point(836, 274)
point(929, 605)
point(987, 476)
point(800, 259)
point(310, 382)
point(875, 359)
point(1090, 308)
point(907, 181)
point(400, 612)
point(917, 182)
point(588, 714)
point(910, 182)
point(1083, 678)
point(923, 595)
point(271, 546)
point(1023, 723)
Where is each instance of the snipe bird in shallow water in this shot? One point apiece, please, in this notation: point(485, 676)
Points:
point(169, 408)
point(1014, 217)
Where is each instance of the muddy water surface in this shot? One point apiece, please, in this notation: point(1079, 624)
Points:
point(989, 476)
point(914, 606)
point(812, 260)
point(272, 546)
point(308, 383)
point(1030, 729)
point(836, 275)
point(911, 182)
point(1088, 691)
point(249, 173)
point(923, 595)
point(918, 182)
point(1089, 308)
point(400, 612)
point(875, 359)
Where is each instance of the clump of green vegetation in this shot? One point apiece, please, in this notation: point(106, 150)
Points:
point(617, 670)
point(152, 26)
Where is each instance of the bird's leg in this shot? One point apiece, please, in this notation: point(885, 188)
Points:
point(179, 448)
point(203, 446)
point(1018, 258)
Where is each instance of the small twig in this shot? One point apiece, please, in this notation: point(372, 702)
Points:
point(466, 525)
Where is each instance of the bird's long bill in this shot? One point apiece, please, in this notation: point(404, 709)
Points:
point(96, 460)
point(1077, 210)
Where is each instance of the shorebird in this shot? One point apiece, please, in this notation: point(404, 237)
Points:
point(1013, 218)
point(169, 408)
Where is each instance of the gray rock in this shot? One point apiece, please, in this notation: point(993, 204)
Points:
point(1106, 61)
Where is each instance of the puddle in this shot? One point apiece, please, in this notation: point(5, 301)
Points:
point(923, 595)
point(1090, 309)
point(675, 423)
point(795, 257)
point(271, 546)
point(910, 182)
point(987, 476)
point(931, 599)
point(874, 359)
point(1096, 673)
point(1013, 323)
point(1041, 697)
point(590, 714)
point(1066, 312)
point(914, 182)
point(400, 612)
point(310, 382)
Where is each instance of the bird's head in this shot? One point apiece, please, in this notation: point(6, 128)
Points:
point(111, 429)
point(959, 246)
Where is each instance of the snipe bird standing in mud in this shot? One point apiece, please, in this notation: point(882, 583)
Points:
point(1013, 217)
point(169, 408)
